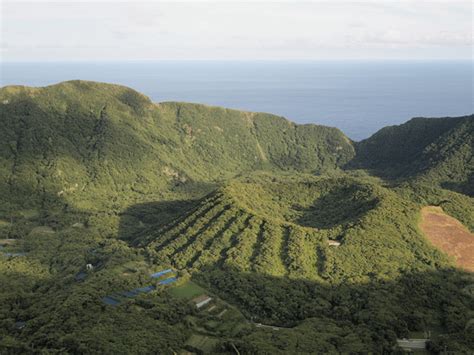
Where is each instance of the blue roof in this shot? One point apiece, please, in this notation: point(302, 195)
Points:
point(15, 254)
point(160, 273)
point(113, 299)
point(110, 301)
point(145, 289)
point(167, 281)
point(132, 293)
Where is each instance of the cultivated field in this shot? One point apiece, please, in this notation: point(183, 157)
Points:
point(187, 290)
point(449, 235)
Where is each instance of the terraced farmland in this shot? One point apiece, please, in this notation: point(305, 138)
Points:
point(259, 223)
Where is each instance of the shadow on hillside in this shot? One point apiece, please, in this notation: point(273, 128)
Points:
point(395, 174)
point(337, 207)
point(366, 316)
point(465, 188)
point(143, 218)
point(26, 207)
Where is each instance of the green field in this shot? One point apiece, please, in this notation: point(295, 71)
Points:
point(201, 342)
point(418, 335)
point(187, 291)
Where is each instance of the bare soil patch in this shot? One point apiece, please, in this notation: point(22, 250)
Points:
point(449, 235)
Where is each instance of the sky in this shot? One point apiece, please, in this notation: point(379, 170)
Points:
point(247, 30)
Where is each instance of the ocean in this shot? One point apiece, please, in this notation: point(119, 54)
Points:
point(358, 97)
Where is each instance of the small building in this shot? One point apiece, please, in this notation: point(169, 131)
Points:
point(111, 301)
point(167, 281)
point(334, 243)
point(160, 273)
point(412, 344)
point(20, 325)
point(201, 301)
point(89, 267)
point(14, 255)
point(145, 289)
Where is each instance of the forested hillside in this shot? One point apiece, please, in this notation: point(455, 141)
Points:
point(427, 149)
point(83, 141)
point(304, 240)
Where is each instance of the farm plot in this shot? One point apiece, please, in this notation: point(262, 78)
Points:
point(449, 235)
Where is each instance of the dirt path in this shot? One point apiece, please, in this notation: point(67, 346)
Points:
point(449, 235)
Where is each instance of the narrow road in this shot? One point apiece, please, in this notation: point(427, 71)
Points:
point(412, 343)
point(274, 327)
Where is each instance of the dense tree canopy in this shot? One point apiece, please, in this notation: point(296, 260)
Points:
point(306, 241)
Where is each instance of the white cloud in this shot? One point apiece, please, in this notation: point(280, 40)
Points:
point(85, 30)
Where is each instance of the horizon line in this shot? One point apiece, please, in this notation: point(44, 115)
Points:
point(240, 60)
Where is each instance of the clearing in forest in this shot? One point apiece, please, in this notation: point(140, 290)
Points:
point(187, 290)
point(449, 235)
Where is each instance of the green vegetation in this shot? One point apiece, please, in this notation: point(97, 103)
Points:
point(282, 224)
point(347, 317)
point(201, 343)
point(428, 150)
point(306, 241)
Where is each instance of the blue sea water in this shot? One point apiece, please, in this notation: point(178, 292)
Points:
point(359, 97)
